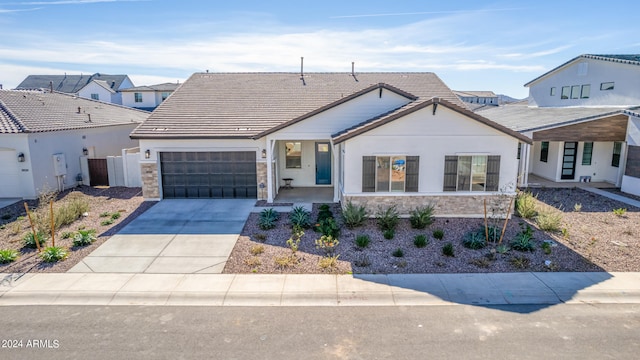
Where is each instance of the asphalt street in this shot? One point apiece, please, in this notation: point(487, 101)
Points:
point(567, 331)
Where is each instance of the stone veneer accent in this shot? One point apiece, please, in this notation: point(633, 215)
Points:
point(150, 185)
point(261, 172)
point(445, 205)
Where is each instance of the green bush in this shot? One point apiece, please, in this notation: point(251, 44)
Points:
point(324, 212)
point(115, 215)
point(76, 205)
point(448, 250)
point(106, 222)
point(8, 255)
point(398, 252)
point(84, 237)
point(354, 215)
point(438, 234)
point(67, 235)
point(54, 254)
point(549, 220)
point(388, 218)
point(422, 216)
point(268, 218)
point(30, 242)
point(299, 216)
point(328, 227)
point(620, 212)
point(420, 241)
point(362, 241)
point(327, 244)
point(389, 234)
point(523, 242)
point(105, 214)
point(475, 239)
point(526, 205)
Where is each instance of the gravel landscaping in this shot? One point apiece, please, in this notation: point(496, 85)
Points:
point(591, 239)
point(14, 225)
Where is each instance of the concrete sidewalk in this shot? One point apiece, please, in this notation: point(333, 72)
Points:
point(319, 290)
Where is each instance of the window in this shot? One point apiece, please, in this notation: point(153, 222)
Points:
point(95, 96)
point(584, 92)
point(575, 92)
point(390, 173)
point(566, 91)
point(544, 151)
point(617, 150)
point(137, 97)
point(293, 155)
point(164, 96)
point(587, 152)
point(606, 86)
point(471, 173)
point(552, 92)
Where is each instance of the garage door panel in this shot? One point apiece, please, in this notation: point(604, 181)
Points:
point(209, 174)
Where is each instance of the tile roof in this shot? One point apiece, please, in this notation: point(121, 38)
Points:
point(35, 111)
point(104, 84)
point(158, 87)
point(631, 59)
point(415, 106)
point(522, 118)
point(244, 105)
point(475, 93)
point(69, 84)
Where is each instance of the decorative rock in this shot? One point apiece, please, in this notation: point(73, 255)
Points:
point(551, 242)
point(547, 263)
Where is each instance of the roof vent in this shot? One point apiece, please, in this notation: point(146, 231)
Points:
point(353, 70)
point(302, 70)
point(79, 109)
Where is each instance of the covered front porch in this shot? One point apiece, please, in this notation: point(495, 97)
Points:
point(305, 195)
point(539, 182)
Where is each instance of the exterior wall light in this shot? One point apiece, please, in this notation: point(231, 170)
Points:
point(85, 152)
point(147, 154)
point(264, 153)
point(21, 157)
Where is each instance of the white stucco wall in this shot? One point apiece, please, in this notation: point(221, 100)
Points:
point(306, 175)
point(93, 88)
point(626, 90)
point(432, 138)
point(156, 146)
point(16, 178)
point(148, 99)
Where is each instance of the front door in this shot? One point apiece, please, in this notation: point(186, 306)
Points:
point(323, 163)
point(569, 161)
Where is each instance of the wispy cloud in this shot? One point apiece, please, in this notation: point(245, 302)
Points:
point(70, 2)
point(536, 54)
point(425, 13)
point(7, 11)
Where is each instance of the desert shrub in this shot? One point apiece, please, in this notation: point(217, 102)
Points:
point(523, 242)
point(619, 212)
point(260, 237)
point(438, 234)
point(420, 240)
point(387, 218)
point(474, 239)
point(328, 227)
point(324, 212)
point(526, 205)
point(105, 214)
point(481, 262)
point(422, 216)
point(327, 243)
point(29, 240)
point(502, 249)
point(362, 261)
point(294, 240)
point(256, 250)
point(253, 261)
point(54, 254)
point(67, 235)
point(8, 255)
point(362, 241)
point(328, 262)
point(84, 237)
point(286, 261)
point(389, 234)
point(546, 247)
point(577, 207)
point(115, 215)
point(268, 218)
point(549, 220)
point(397, 253)
point(354, 215)
point(299, 216)
point(448, 250)
point(106, 222)
point(520, 262)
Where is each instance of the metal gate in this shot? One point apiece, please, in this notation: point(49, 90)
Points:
point(98, 172)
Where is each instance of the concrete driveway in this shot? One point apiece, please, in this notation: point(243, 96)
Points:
point(176, 236)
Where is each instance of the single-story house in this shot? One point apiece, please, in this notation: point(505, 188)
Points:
point(44, 135)
point(373, 138)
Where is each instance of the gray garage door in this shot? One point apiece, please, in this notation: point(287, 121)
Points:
point(209, 174)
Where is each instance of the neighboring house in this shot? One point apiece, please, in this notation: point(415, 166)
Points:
point(374, 138)
point(478, 97)
point(44, 135)
point(101, 86)
point(147, 97)
point(579, 118)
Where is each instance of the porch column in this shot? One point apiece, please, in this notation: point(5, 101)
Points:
point(270, 195)
point(526, 150)
point(623, 164)
point(336, 171)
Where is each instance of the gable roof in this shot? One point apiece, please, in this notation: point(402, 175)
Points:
point(35, 111)
point(69, 84)
point(475, 93)
point(246, 105)
point(158, 87)
point(631, 59)
point(522, 118)
point(102, 84)
point(415, 106)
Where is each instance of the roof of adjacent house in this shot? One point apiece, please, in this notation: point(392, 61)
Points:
point(246, 105)
point(36, 111)
point(630, 59)
point(418, 105)
point(523, 118)
point(103, 84)
point(69, 84)
point(475, 93)
point(159, 87)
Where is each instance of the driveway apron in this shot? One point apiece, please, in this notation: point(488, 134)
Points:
point(176, 236)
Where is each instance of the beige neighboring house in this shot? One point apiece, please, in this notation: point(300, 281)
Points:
point(45, 136)
point(372, 138)
point(147, 97)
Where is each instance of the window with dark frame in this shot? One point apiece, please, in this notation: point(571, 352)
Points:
point(617, 150)
point(544, 151)
point(137, 97)
point(95, 96)
point(471, 173)
point(390, 173)
point(575, 92)
point(293, 155)
point(552, 92)
point(587, 153)
point(566, 92)
point(585, 91)
point(607, 86)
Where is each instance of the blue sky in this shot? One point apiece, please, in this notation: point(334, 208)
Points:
point(471, 45)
